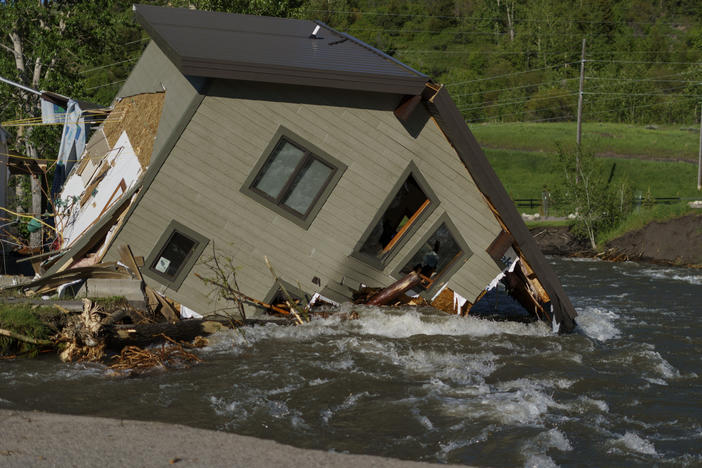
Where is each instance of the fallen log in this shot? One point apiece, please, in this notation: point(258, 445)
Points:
point(25, 338)
point(147, 334)
point(396, 289)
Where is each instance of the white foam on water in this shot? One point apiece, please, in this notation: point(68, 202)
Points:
point(423, 420)
point(534, 450)
point(672, 274)
point(655, 381)
point(582, 259)
point(598, 323)
point(634, 443)
point(315, 382)
point(410, 322)
point(585, 404)
point(539, 461)
point(4, 401)
point(223, 408)
point(447, 448)
point(461, 369)
point(521, 401)
point(660, 365)
point(349, 402)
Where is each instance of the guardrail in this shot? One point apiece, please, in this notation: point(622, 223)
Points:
point(537, 202)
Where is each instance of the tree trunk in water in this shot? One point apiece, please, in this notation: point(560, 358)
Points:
point(391, 293)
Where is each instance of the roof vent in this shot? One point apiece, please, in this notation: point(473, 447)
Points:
point(314, 33)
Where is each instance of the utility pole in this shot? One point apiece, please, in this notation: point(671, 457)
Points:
point(578, 138)
point(580, 96)
point(699, 162)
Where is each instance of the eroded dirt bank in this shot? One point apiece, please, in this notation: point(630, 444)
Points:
point(677, 242)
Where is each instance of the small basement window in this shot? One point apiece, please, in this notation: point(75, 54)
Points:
point(293, 179)
point(174, 255)
point(409, 204)
point(440, 253)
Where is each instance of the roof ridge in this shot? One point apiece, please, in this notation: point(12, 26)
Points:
point(369, 47)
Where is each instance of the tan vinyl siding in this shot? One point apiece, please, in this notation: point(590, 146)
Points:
point(199, 186)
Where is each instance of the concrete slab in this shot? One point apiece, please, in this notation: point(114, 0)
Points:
point(129, 288)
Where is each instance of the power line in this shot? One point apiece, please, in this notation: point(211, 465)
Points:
point(470, 18)
point(643, 62)
point(109, 65)
point(644, 80)
point(515, 87)
point(521, 101)
point(641, 94)
point(509, 74)
point(138, 40)
point(592, 113)
point(106, 84)
point(462, 32)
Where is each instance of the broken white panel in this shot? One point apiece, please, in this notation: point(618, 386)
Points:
point(52, 113)
point(319, 297)
point(493, 284)
point(118, 179)
point(508, 257)
point(73, 136)
point(186, 312)
point(108, 237)
point(458, 302)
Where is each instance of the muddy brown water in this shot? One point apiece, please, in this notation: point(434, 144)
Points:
point(624, 390)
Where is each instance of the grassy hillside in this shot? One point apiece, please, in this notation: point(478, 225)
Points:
point(673, 143)
point(524, 173)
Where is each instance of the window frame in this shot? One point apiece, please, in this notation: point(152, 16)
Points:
point(382, 263)
point(311, 153)
point(443, 276)
point(200, 242)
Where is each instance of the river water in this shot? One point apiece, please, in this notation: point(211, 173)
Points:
point(624, 390)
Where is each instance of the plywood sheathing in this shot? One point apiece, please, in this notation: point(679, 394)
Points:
point(139, 116)
point(446, 302)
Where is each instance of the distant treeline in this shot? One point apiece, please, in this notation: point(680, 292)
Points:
point(502, 60)
point(507, 60)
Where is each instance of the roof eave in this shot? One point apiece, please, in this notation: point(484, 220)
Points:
point(295, 76)
point(452, 123)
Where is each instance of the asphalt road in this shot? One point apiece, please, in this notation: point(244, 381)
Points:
point(32, 439)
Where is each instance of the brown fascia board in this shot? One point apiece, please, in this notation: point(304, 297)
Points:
point(305, 77)
point(454, 127)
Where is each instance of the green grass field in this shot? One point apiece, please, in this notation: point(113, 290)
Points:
point(524, 174)
point(660, 161)
point(664, 143)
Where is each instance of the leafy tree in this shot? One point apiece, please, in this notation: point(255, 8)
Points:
point(586, 190)
point(46, 45)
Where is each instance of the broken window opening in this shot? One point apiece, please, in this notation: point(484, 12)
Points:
point(174, 255)
point(293, 178)
point(435, 256)
point(403, 213)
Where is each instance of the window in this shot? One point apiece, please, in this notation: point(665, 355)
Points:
point(409, 203)
point(174, 255)
point(293, 178)
point(439, 254)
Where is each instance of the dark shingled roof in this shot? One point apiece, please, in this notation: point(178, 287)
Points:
point(278, 50)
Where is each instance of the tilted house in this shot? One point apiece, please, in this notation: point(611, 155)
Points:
point(287, 139)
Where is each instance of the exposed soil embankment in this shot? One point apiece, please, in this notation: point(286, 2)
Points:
point(676, 241)
point(559, 240)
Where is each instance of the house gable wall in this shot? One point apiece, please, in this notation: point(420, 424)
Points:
point(154, 72)
point(199, 185)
